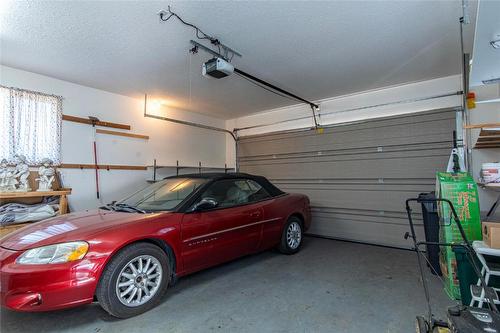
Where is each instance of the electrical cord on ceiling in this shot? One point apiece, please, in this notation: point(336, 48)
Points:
point(199, 33)
point(264, 87)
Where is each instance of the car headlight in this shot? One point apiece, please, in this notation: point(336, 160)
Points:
point(53, 254)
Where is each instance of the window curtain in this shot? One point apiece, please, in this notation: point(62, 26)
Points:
point(30, 125)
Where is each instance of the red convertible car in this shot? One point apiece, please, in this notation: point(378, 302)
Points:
point(125, 254)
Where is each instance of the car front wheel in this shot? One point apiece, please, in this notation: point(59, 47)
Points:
point(134, 280)
point(291, 238)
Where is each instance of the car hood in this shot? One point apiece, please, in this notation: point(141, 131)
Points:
point(70, 227)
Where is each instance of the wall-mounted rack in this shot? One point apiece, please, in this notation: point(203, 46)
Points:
point(488, 139)
point(484, 125)
point(101, 166)
point(489, 136)
point(178, 167)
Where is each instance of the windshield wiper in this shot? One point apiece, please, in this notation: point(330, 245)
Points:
point(124, 208)
point(127, 206)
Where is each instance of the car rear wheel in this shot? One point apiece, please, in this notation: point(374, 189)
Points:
point(291, 238)
point(134, 281)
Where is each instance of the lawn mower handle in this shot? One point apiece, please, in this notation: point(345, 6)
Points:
point(469, 249)
point(453, 211)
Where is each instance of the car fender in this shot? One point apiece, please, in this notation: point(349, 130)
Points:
point(169, 235)
point(301, 208)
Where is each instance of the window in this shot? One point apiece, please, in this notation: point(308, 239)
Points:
point(30, 125)
point(234, 192)
point(164, 195)
point(256, 192)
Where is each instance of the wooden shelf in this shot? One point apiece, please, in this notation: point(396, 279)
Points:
point(494, 186)
point(488, 139)
point(34, 194)
point(484, 125)
point(130, 135)
point(101, 166)
point(87, 121)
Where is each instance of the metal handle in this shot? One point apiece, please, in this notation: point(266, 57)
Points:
point(256, 214)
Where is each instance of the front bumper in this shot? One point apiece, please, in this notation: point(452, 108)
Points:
point(45, 287)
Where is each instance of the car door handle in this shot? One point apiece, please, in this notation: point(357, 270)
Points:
point(255, 214)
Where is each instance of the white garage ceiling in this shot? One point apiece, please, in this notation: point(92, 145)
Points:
point(486, 61)
point(314, 49)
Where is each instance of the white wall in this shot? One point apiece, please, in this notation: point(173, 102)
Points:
point(336, 105)
point(168, 142)
point(485, 113)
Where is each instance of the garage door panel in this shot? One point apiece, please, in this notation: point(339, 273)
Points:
point(355, 153)
point(419, 133)
point(381, 186)
point(337, 142)
point(419, 121)
point(419, 167)
point(357, 156)
point(368, 232)
point(357, 176)
point(358, 215)
point(379, 200)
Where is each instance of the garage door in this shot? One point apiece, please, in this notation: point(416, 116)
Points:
point(357, 175)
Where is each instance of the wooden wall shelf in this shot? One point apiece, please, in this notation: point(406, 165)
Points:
point(99, 123)
point(34, 194)
point(484, 125)
point(130, 135)
point(488, 139)
point(102, 166)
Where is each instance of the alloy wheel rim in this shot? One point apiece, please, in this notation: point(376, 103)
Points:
point(294, 235)
point(139, 280)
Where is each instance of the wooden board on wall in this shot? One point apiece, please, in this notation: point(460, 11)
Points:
point(99, 123)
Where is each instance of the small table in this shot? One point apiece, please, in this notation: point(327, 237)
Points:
point(63, 204)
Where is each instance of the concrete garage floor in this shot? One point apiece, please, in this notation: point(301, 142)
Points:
point(330, 286)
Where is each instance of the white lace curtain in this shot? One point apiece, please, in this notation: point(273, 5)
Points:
point(30, 125)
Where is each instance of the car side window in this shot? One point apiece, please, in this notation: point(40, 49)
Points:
point(256, 192)
point(234, 192)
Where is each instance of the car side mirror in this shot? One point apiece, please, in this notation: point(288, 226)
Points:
point(205, 204)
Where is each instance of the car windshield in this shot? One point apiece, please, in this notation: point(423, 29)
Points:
point(163, 195)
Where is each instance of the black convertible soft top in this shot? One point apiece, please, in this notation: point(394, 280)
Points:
point(262, 181)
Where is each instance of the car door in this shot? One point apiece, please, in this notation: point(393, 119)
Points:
point(235, 228)
point(196, 242)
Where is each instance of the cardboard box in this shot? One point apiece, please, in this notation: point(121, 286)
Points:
point(491, 234)
point(461, 189)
